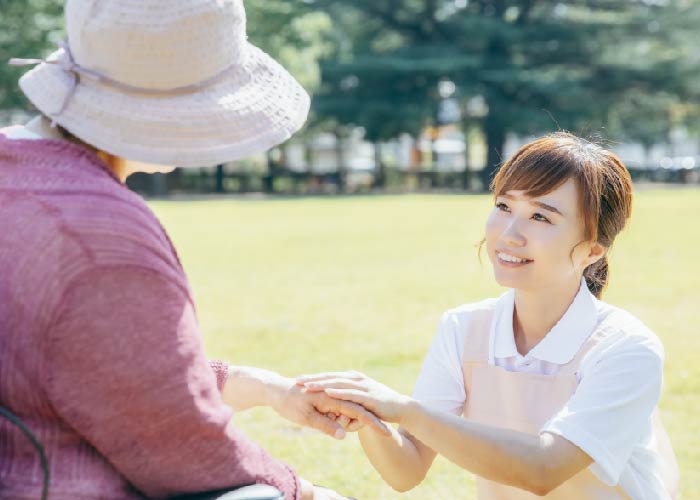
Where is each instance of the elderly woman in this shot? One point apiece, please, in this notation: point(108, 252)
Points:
point(100, 351)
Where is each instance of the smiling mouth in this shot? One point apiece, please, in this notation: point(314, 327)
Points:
point(511, 259)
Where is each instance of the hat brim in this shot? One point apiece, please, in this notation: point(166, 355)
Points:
point(252, 108)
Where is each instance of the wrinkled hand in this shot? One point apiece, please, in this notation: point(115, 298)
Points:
point(355, 387)
point(321, 411)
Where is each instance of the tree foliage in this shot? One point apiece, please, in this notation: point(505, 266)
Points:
point(625, 65)
point(293, 34)
point(28, 28)
point(538, 64)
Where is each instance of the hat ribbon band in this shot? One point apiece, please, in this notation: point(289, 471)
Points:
point(66, 61)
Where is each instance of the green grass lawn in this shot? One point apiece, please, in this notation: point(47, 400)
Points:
point(306, 285)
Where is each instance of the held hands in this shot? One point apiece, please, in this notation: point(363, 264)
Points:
point(321, 411)
point(354, 387)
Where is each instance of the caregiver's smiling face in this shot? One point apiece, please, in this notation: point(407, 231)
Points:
point(530, 239)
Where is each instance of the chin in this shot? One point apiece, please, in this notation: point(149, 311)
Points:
point(501, 279)
point(507, 280)
point(508, 283)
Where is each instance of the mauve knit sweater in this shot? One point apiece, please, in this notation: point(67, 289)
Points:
point(100, 352)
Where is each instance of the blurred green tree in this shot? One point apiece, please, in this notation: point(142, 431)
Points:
point(535, 64)
point(643, 119)
point(28, 28)
point(293, 34)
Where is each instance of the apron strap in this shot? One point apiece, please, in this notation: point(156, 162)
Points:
point(478, 340)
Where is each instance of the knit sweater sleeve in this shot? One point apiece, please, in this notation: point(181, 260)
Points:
point(127, 370)
point(220, 369)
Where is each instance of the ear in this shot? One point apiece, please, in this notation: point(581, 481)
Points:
point(595, 252)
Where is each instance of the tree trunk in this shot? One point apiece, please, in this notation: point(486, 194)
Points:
point(466, 174)
point(219, 179)
point(340, 162)
point(495, 131)
point(269, 179)
point(379, 168)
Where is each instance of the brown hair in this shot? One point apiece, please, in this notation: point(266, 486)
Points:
point(115, 164)
point(604, 186)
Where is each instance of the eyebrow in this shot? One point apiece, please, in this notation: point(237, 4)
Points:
point(540, 204)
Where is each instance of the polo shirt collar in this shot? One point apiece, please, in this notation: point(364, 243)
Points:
point(562, 342)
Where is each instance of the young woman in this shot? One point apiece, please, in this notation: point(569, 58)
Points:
point(546, 390)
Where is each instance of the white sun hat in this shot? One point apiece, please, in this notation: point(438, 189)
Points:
point(171, 82)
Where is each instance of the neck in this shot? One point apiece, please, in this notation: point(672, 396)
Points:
point(117, 165)
point(537, 311)
point(41, 126)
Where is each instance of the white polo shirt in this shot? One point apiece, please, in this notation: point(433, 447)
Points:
point(619, 382)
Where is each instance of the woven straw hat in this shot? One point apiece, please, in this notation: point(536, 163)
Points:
point(171, 82)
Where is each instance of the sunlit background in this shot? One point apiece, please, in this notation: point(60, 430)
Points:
point(415, 103)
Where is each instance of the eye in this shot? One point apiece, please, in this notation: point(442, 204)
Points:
point(538, 216)
point(502, 207)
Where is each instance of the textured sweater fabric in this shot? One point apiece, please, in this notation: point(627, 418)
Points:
point(100, 351)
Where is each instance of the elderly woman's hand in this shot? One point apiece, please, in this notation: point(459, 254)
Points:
point(320, 411)
point(247, 387)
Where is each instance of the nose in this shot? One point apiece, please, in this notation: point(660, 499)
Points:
point(511, 235)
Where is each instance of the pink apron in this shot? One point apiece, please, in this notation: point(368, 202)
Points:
point(525, 402)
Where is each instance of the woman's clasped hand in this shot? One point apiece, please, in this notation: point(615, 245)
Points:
point(355, 387)
point(312, 408)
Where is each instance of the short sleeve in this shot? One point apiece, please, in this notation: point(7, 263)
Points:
point(610, 412)
point(440, 383)
point(127, 371)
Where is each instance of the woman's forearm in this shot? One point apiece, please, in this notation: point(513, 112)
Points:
point(534, 463)
point(248, 387)
point(501, 455)
point(396, 457)
point(497, 454)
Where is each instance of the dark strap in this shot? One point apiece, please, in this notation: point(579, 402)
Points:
point(35, 442)
point(253, 492)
